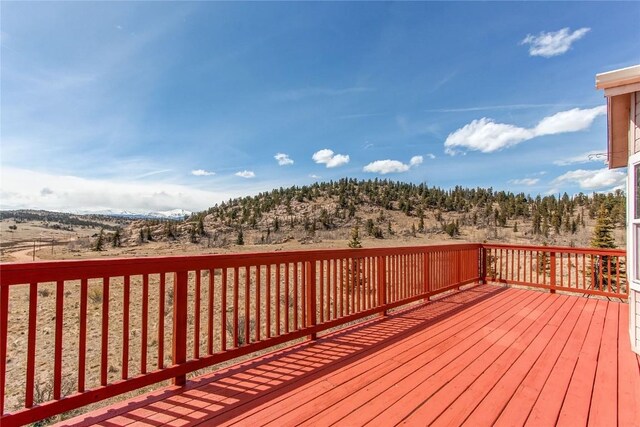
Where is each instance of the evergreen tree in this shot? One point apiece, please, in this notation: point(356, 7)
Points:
point(240, 238)
point(117, 238)
point(603, 238)
point(603, 232)
point(355, 238)
point(99, 245)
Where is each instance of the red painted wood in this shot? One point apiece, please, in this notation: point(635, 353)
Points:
point(4, 314)
point(268, 301)
point(57, 351)
point(575, 408)
point(144, 333)
point(520, 404)
point(452, 266)
point(247, 305)
point(161, 301)
point(223, 311)
point(258, 307)
point(211, 316)
point(125, 327)
point(485, 367)
point(31, 345)
point(236, 307)
point(196, 314)
point(180, 302)
point(543, 352)
point(604, 408)
point(628, 384)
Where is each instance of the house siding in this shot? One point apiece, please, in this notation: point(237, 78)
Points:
point(635, 121)
point(634, 305)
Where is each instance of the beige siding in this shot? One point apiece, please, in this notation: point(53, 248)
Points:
point(635, 119)
point(634, 128)
point(634, 329)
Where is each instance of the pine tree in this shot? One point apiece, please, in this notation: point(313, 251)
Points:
point(355, 238)
point(100, 241)
point(515, 227)
point(240, 238)
point(603, 232)
point(603, 238)
point(117, 238)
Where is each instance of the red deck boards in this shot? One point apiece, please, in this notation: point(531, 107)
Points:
point(483, 356)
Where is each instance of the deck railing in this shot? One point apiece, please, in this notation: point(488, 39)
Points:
point(108, 327)
point(585, 271)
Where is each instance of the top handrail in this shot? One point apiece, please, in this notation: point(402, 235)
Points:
point(27, 272)
point(594, 251)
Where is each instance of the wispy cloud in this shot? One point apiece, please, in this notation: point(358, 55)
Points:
point(314, 176)
point(384, 167)
point(598, 179)
point(589, 156)
point(329, 158)
point(245, 174)
point(283, 159)
point(497, 107)
point(487, 136)
point(431, 156)
point(553, 43)
point(202, 172)
point(524, 181)
point(152, 173)
point(297, 94)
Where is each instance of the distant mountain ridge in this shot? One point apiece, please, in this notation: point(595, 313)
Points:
point(174, 214)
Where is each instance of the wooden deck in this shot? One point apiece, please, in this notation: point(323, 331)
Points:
point(483, 356)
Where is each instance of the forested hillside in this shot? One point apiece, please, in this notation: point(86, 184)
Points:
point(382, 209)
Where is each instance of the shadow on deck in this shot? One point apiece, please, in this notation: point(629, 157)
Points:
point(486, 355)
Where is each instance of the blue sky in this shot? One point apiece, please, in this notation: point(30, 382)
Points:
point(154, 106)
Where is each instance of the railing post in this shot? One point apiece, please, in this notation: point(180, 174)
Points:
point(552, 280)
point(180, 288)
point(425, 274)
point(382, 284)
point(483, 265)
point(310, 282)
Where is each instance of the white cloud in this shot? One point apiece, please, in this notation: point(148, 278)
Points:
point(26, 189)
point(487, 136)
point(329, 158)
point(314, 176)
point(202, 172)
point(416, 160)
point(592, 179)
point(569, 121)
point(283, 159)
point(553, 43)
point(384, 167)
point(589, 156)
point(245, 174)
point(524, 181)
point(431, 156)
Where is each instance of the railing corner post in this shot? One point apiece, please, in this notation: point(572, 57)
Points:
point(180, 297)
point(552, 267)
